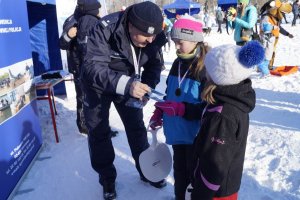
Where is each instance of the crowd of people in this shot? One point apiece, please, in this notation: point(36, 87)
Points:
point(117, 59)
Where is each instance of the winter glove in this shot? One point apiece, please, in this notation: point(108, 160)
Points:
point(290, 36)
point(171, 108)
point(156, 119)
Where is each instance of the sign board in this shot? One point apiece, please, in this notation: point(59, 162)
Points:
point(20, 132)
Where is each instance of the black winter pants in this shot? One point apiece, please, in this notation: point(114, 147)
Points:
point(182, 163)
point(96, 111)
point(79, 99)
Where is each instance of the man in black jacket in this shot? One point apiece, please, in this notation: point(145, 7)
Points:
point(74, 39)
point(86, 15)
point(117, 48)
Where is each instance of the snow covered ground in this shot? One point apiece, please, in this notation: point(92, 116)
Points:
point(272, 167)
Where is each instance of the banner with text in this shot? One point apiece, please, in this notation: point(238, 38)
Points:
point(20, 131)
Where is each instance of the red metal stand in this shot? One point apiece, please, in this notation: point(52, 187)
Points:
point(48, 85)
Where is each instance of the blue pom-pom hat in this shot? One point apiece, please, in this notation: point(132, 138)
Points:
point(230, 64)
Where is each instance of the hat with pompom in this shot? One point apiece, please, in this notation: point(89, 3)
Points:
point(230, 64)
point(187, 28)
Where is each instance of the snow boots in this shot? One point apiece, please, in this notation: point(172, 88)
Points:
point(109, 191)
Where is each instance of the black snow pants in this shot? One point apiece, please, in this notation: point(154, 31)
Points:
point(182, 163)
point(96, 111)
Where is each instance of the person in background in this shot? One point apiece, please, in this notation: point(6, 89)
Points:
point(73, 39)
point(284, 17)
point(244, 21)
point(295, 12)
point(180, 111)
point(270, 29)
point(205, 18)
point(88, 13)
point(118, 46)
point(219, 148)
point(208, 21)
point(167, 27)
point(219, 19)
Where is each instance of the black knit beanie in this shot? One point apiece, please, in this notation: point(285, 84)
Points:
point(89, 7)
point(147, 17)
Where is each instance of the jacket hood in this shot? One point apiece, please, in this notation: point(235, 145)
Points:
point(239, 95)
